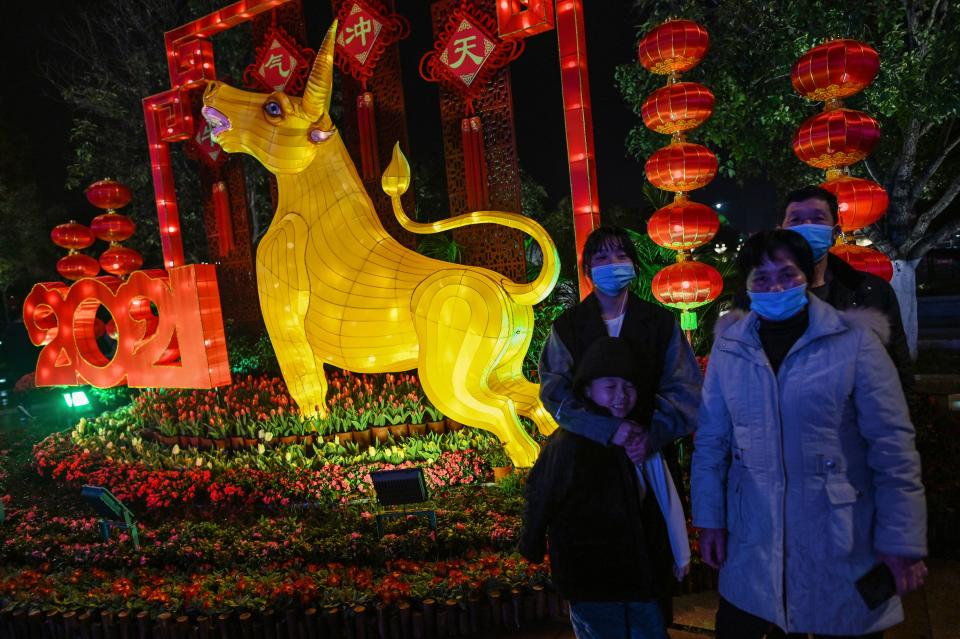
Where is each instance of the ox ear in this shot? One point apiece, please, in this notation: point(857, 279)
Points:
point(316, 97)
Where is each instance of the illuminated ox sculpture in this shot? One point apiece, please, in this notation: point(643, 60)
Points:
point(336, 288)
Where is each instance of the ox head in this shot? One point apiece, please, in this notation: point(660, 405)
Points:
point(284, 133)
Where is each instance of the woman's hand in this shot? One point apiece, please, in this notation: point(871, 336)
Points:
point(713, 546)
point(633, 438)
point(908, 573)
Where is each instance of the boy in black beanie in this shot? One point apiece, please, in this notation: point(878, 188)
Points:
point(609, 544)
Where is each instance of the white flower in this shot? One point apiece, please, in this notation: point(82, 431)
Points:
point(267, 436)
point(176, 449)
point(261, 449)
point(199, 462)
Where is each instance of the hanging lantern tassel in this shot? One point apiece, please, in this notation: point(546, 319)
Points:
point(474, 164)
point(367, 123)
point(221, 214)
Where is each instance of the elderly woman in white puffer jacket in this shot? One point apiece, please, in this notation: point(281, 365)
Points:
point(805, 475)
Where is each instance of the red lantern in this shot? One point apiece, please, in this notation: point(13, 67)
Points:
point(673, 47)
point(113, 227)
point(861, 202)
point(687, 285)
point(108, 194)
point(72, 236)
point(77, 266)
point(682, 106)
point(681, 166)
point(683, 225)
point(836, 138)
point(865, 259)
point(835, 70)
point(120, 260)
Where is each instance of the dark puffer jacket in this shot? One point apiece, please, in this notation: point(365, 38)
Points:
point(851, 289)
point(606, 544)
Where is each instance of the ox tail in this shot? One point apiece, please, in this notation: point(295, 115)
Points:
point(396, 180)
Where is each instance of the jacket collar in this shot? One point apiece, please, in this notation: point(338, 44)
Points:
point(742, 337)
point(590, 323)
point(843, 273)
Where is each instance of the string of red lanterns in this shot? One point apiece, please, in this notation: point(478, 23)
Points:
point(110, 227)
point(113, 227)
point(672, 48)
point(839, 137)
point(74, 237)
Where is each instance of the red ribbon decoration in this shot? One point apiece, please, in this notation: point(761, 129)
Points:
point(221, 214)
point(366, 29)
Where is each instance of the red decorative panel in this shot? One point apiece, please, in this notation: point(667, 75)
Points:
point(495, 247)
point(386, 84)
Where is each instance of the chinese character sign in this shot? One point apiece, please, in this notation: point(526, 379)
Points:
point(466, 52)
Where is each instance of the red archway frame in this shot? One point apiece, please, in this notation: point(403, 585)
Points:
point(168, 116)
point(190, 61)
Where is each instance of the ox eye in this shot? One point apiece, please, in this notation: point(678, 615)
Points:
point(273, 108)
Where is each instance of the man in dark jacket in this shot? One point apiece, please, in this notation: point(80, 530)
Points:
point(813, 212)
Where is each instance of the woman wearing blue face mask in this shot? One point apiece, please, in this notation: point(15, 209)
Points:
point(610, 261)
point(672, 383)
point(805, 476)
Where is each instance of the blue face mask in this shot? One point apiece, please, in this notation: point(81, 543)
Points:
point(610, 279)
point(779, 305)
point(818, 236)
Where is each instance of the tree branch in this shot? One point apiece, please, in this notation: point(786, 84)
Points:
point(881, 241)
point(927, 218)
point(922, 248)
point(917, 190)
point(900, 189)
point(872, 170)
point(933, 14)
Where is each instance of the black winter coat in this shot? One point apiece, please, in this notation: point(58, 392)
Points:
point(850, 288)
point(606, 544)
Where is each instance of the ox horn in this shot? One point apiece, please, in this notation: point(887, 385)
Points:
point(316, 97)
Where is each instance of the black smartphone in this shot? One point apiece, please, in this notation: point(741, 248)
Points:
point(877, 586)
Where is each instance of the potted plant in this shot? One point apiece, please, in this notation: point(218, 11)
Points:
point(236, 435)
point(218, 434)
point(250, 434)
point(398, 420)
point(287, 425)
point(379, 429)
point(168, 435)
point(433, 418)
point(204, 439)
point(500, 462)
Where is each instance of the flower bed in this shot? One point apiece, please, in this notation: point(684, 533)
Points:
point(252, 405)
point(270, 477)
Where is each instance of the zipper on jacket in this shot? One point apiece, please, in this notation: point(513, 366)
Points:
point(783, 509)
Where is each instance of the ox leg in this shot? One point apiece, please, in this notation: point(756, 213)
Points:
point(284, 289)
point(508, 379)
point(459, 318)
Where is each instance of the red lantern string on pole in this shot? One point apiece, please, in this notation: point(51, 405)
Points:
point(74, 237)
point(465, 54)
point(838, 137)
point(670, 49)
point(113, 227)
point(366, 29)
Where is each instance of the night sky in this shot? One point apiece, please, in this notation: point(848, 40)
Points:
point(611, 34)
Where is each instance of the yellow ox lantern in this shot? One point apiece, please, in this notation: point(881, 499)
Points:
point(336, 288)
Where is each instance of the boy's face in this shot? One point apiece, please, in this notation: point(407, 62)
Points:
point(616, 394)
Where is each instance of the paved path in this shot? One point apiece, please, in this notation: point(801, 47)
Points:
point(931, 613)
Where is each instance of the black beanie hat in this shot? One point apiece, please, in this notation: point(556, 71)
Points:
point(606, 357)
